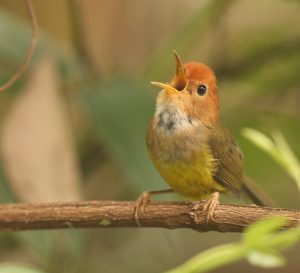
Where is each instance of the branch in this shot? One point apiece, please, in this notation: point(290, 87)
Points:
point(171, 215)
point(30, 51)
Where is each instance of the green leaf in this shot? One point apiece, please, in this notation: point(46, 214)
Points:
point(260, 140)
point(14, 268)
point(278, 149)
point(283, 239)
point(258, 230)
point(259, 245)
point(212, 259)
point(265, 259)
point(290, 161)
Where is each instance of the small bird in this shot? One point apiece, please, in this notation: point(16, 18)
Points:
point(190, 147)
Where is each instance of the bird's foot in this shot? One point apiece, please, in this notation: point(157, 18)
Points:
point(210, 206)
point(142, 202)
point(140, 205)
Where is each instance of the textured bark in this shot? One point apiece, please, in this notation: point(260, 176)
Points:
point(100, 214)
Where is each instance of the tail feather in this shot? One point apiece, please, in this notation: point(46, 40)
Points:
point(258, 196)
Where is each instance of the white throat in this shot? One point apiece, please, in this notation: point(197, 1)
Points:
point(170, 119)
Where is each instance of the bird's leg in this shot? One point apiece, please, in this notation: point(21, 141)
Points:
point(143, 201)
point(210, 206)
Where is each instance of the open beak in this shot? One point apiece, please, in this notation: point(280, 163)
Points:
point(179, 81)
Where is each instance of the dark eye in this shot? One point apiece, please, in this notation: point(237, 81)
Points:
point(201, 89)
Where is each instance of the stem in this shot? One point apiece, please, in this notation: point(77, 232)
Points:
point(100, 214)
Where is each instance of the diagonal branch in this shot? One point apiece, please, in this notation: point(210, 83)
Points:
point(30, 51)
point(99, 214)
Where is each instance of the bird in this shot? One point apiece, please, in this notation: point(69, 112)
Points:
point(189, 146)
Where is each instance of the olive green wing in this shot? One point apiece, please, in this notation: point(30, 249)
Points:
point(228, 159)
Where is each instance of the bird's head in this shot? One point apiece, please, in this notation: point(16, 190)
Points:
point(192, 91)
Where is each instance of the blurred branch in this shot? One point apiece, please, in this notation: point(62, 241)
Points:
point(171, 215)
point(29, 54)
point(76, 24)
point(259, 56)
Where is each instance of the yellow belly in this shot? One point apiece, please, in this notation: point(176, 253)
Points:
point(182, 156)
point(193, 178)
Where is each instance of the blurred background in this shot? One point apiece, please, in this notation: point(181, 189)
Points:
point(73, 127)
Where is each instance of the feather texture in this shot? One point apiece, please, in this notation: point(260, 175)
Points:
point(187, 143)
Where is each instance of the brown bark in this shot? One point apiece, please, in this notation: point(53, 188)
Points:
point(100, 214)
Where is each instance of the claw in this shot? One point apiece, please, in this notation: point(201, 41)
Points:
point(142, 202)
point(140, 205)
point(210, 206)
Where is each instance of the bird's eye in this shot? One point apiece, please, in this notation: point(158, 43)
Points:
point(201, 89)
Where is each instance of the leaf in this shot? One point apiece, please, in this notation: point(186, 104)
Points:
point(258, 230)
point(36, 143)
point(14, 268)
point(260, 140)
point(283, 239)
point(279, 150)
point(212, 259)
point(290, 161)
point(262, 252)
point(265, 259)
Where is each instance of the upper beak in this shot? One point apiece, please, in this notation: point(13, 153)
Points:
point(179, 81)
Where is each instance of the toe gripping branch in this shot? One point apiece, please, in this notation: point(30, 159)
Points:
point(206, 211)
point(142, 202)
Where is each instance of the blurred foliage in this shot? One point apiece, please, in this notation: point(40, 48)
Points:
point(105, 54)
point(6, 195)
point(120, 111)
point(11, 268)
point(198, 24)
point(279, 150)
point(260, 245)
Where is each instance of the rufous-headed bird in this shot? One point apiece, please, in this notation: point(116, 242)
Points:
point(188, 144)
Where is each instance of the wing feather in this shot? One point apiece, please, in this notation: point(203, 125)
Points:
point(228, 159)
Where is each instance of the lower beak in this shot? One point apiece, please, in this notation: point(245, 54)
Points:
point(165, 86)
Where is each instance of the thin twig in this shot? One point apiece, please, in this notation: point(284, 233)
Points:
point(100, 214)
point(29, 54)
